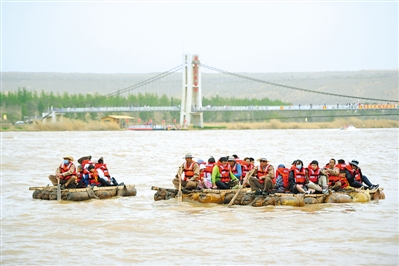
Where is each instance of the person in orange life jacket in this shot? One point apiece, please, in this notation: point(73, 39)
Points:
point(235, 167)
point(332, 173)
point(190, 174)
point(93, 176)
point(260, 178)
point(317, 181)
point(105, 177)
point(297, 178)
point(356, 172)
point(222, 177)
point(281, 178)
point(66, 173)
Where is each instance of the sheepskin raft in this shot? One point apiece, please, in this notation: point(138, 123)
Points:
point(80, 194)
point(246, 197)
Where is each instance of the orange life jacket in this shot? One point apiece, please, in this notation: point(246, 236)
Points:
point(188, 170)
point(93, 178)
point(332, 178)
point(65, 168)
point(299, 175)
point(262, 172)
point(224, 170)
point(284, 172)
point(313, 174)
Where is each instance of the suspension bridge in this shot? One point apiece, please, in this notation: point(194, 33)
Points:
point(191, 108)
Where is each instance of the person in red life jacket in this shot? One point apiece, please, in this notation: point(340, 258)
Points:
point(207, 173)
point(190, 174)
point(79, 177)
point(297, 178)
point(260, 178)
point(317, 181)
point(105, 177)
point(66, 173)
point(332, 173)
point(356, 177)
point(222, 177)
point(93, 176)
point(246, 166)
point(282, 178)
point(235, 167)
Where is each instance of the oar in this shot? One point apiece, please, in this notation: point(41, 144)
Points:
point(58, 190)
point(179, 194)
point(238, 191)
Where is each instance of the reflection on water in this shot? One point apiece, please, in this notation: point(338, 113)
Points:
point(138, 230)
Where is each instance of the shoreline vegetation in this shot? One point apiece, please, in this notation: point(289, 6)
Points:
point(93, 125)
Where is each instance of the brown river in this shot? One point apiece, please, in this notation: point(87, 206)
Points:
point(137, 230)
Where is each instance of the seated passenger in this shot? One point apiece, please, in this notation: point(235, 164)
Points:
point(79, 177)
point(332, 173)
point(356, 172)
point(105, 177)
point(235, 167)
point(189, 173)
point(65, 174)
point(222, 177)
point(93, 176)
point(297, 178)
point(205, 180)
point(317, 181)
point(282, 179)
point(261, 177)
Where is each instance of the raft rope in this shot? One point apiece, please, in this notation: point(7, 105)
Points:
point(290, 87)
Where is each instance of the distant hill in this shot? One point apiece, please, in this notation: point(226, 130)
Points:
point(378, 84)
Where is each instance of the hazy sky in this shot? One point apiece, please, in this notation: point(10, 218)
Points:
point(142, 37)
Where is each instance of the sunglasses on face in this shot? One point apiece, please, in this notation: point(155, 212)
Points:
point(263, 161)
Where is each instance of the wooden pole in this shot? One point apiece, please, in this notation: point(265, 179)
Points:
point(58, 190)
point(243, 184)
point(179, 194)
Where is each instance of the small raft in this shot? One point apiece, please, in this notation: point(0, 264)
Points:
point(246, 197)
point(80, 194)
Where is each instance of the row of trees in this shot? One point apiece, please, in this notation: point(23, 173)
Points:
point(22, 103)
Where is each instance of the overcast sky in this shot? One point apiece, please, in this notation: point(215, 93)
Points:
point(142, 37)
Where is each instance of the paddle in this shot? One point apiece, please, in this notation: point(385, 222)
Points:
point(179, 194)
point(238, 191)
point(59, 190)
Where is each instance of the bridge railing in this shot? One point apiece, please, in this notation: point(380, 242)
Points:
point(225, 108)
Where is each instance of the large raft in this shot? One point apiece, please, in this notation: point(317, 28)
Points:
point(246, 197)
point(80, 194)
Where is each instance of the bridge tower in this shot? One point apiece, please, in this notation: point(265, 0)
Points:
point(191, 92)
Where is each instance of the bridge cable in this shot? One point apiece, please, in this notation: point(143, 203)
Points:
point(140, 84)
point(290, 87)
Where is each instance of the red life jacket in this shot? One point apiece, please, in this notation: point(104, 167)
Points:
point(299, 175)
point(262, 172)
point(284, 172)
point(356, 173)
point(224, 170)
point(65, 168)
point(79, 176)
point(313, 174)
point(188, 170)
point(209, 167)
point(103, 168)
